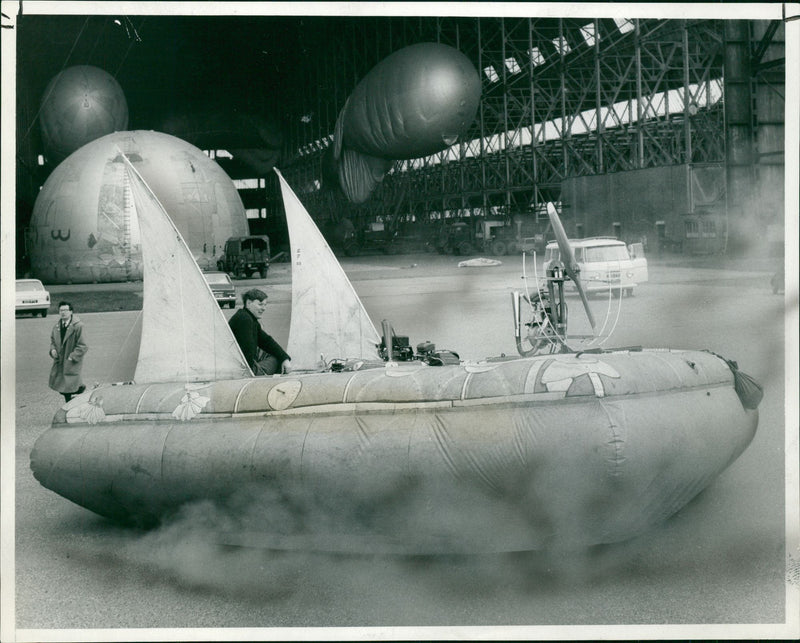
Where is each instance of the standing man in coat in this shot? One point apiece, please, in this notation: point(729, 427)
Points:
point(251, 337)
point(67, 348)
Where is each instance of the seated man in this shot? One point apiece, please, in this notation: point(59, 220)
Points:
point(251, 337)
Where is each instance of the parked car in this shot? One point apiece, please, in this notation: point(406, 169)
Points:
point(32, 297)
point(605, 263)
point(221, 286)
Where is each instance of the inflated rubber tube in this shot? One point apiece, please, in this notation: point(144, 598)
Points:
point(564, 450)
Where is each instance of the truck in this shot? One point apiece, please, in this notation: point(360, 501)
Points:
point(245, 257)
point(374, 237)
point(604, 263)
point(485, 235)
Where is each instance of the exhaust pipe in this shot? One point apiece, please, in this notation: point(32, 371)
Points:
point(517, 319)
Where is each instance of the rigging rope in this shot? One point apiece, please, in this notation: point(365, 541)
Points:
point(35, 118)
point(63, 66)
point(538, 290)
point(130, 45)
point(619, 308)
point(605, 321)
point(563, 340)
point(112, 369)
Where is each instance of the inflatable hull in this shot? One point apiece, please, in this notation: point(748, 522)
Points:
point(568, 451)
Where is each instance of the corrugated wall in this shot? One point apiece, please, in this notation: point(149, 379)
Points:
point(640, 200)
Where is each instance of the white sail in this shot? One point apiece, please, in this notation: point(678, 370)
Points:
point(328, 319)
point(185, 336)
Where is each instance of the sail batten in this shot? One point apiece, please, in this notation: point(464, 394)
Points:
point(185, 336)
point(328, 319)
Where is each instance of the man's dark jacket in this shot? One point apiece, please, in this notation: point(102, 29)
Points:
point(248, 332)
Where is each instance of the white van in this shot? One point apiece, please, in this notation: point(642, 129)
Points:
point(605, 263)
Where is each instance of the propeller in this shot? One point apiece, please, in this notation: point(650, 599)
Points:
point(571, 267)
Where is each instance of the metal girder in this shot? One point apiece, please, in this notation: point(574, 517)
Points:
point(754, 128)
point(560, 98)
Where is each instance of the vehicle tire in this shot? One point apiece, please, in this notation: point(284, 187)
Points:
point(629, 292)
point(263, 273)
point(512, 248)
point(44, 313)
point(465, 248)
point(498, 248)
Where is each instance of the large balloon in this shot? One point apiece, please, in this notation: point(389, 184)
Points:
point(83, 231)
point(418, 101)
point(79, 105)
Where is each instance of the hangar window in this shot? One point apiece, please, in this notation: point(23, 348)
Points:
point(512, 65)
point(561, 45)
point(589, 33)
point(624, 25)
point(536, 56)
point(252, 213)
point(41, 159)
point(692, 229)
point(245, 184)
point(491, 74)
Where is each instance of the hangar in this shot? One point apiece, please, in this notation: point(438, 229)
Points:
point(663, 130)
point(724, 561)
